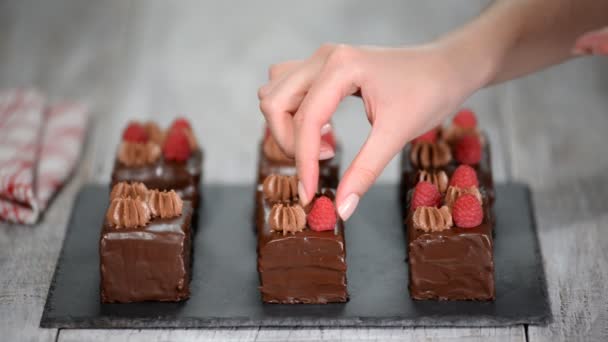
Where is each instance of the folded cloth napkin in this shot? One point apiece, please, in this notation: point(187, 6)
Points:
point(39, 146)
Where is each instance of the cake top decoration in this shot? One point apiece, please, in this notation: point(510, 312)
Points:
point(453, 192)
point(125, 212)
point(464, 177)
point(430, 155)
point(135, 132)
point(467, 211)
point(425, 195)
point(426, 199)
point(155, 133)
point(130, 190)
point(177, 146)
point(432, 219)
point(437, 177)
point(133, 205)
point(322, 215)
point(143, 144)
point(180, 123)
point(288, 218)
point(184, 126)
point(280, 188)
point(464, 123)
point(138, 153)
point(468, 150)
point(465, 118)
point(164, 204)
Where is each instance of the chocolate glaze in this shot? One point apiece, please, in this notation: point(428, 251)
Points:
point(409, 173)
point(328, 169)
point(305, 267)
point(147, 264)
point(453, 264)
point(184, 178)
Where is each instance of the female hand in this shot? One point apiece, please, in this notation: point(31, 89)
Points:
point(593, 43)
point(405, 91)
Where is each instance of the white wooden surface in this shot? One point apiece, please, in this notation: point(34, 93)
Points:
point(152, 59)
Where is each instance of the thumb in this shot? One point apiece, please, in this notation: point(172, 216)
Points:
point(377, 151)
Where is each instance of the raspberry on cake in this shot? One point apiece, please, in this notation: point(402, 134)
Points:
point(467, 211)
point(464, 177)
point(176, 146)
point(135, 132)
point(468, 150)
point(425, 195)
point(465, 119)
point(161, 159)
point(461, 142)
point(301, 255)
point(180, 123)
point(322, 215)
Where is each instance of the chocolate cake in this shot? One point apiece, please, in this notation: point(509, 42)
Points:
point(163, 160)
point(145, 244)
point(451, 263)
point(301, 253)
point(447, 194)
point(274, 161)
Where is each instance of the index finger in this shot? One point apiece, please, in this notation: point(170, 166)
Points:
point(333, 84)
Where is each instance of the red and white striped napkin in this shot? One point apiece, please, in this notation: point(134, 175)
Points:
point(39, 145)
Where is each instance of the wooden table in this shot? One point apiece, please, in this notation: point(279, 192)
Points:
point(150, 59)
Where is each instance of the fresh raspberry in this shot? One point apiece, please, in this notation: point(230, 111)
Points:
point(466, 119)
point(176, 146)
point(468, 150)
point(425, 194)
point(180, 123)
point(464, 177)
point(467, 211)
point(135, 132)
point(322, 215)
point(430, 136)
point(330, 139)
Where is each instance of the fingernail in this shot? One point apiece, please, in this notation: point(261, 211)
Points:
point(348, 206)
point(326, 153)
point(326, 129)
point(302, 194)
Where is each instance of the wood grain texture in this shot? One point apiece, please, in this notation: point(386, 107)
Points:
point(43, 45)
point(275, 335)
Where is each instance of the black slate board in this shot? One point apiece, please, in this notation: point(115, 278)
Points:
point(224, 283)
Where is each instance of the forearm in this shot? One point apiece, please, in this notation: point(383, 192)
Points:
point(515, 37)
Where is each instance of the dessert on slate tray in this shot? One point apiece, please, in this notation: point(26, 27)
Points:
point(163, 160)
point(144, 248)
point(301, 252)
point(274, 161)
point(447, 194)
point(435, 155)
point(450, 244)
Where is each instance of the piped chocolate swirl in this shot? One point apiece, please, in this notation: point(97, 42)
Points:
point(430, 155)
